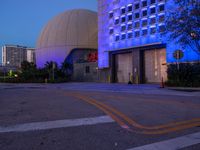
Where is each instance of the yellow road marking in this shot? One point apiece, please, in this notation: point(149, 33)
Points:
point(157, 101)
point(160, 129)
point(120, 122)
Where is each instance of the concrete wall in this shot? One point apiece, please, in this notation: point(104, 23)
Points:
point(85, 72)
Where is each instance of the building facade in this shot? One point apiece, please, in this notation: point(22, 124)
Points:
point(131, 44)
point(14, 55)
point(30, 55)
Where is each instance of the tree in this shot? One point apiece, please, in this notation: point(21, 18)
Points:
point(66, 68)
point(51, 67)
point(28, 70)
point(183, 24)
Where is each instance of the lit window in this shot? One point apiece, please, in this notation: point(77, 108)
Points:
point(161, 8)
point(162, 28)
point(116, 21)
point(130, 35)
point(153, 30)
point(130, 17)
point(153, 21)
point(123, 19)
point(123, 36)
point(130, 8)
point(161, 18)
point(137, 33)
point(123, 10)
point(144, 23)
point(144, 13)
point(130, 26)
point(137, 24)
point(137, 6)
point(153, 1)
point(123, 28)
point(153, 10)
point(111, 15)
point(111, 31)
point(137, 15)
point(144, 32)
point(117, 38)
point(144, 3)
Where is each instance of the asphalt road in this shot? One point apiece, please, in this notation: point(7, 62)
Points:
point(139, 115)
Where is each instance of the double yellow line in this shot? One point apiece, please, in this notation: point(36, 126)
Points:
point(131, 125)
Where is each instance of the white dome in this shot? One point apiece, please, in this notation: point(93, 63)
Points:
point(69, 30)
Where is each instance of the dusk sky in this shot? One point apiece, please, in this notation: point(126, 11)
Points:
point(21, 21)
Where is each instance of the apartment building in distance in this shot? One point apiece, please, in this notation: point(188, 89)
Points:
point(13, 55)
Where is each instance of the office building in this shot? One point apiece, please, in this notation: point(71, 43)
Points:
point(131, 46)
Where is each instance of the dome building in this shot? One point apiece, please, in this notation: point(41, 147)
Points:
point(74, 30)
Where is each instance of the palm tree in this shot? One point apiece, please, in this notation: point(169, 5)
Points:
point(51, 67)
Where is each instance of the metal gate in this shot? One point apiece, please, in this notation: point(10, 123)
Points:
point(155, 65)
point(124, 67)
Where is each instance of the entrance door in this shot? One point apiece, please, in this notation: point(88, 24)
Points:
point(155, 69)
point(124, 67)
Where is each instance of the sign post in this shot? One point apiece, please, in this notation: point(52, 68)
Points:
point(178, 54)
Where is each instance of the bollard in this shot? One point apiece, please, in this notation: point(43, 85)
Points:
point(45, 80)
point(162, 85)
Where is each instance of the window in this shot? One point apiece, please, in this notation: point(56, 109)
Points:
point(123, 19)
point(144, 3)
point(153, 10)
point(116, 21)
point(162, 18)
point(123, 28)
point(123, 36)
point(130, 26)
point(130, 17)
point(161, 8)
point(137, 6)
point(162, 28)
point(144, 23)
point(130, 35)
point(110, 15)
point(111, 31)
point(87, 69)
point(137, 15)
point(137, 24)
point(144, 32)
point(153, 21)
point(123, 10)
point(144, 13)
point(130, 8)
point(137, 33)
point(153, 1)
point(153, 30)
point(117, 38)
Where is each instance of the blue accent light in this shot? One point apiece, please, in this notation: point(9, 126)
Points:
point(142, 34)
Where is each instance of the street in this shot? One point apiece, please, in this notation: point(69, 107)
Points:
point(97, 116)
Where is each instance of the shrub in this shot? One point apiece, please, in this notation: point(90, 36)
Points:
point(188, 75)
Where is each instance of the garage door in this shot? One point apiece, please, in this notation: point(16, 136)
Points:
point(154, 65)
point(124, 69)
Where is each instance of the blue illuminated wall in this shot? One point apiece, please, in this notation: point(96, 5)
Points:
point(130, 23)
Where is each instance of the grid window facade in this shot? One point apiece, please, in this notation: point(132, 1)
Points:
point(136, 16)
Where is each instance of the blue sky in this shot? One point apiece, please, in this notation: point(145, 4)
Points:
point(21, 21)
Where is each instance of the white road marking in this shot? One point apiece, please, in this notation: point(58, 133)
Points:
point(172, 144)
point(56, 124)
